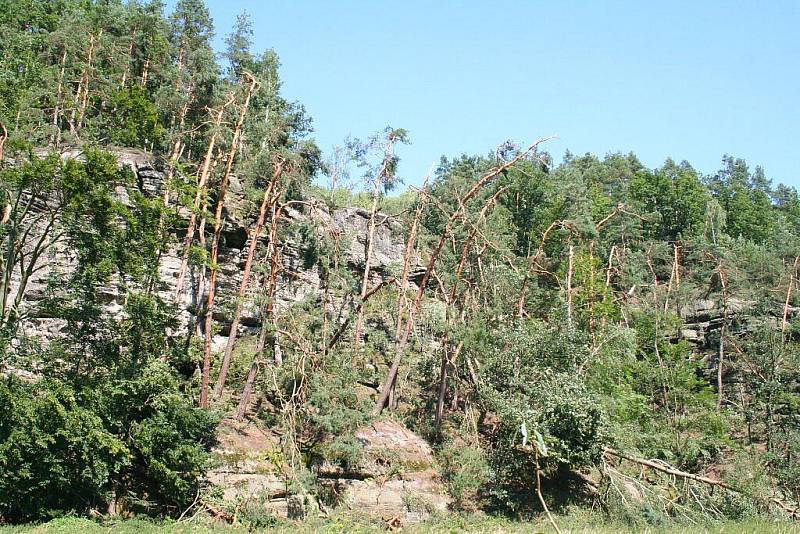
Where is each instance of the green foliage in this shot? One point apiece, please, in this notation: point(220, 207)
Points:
point(107, 419)
point(334, 413)
point(466, 471)
point(676, 197)
point(545, 413)
point(133, 120)
point(56, 457)
point(572, 306)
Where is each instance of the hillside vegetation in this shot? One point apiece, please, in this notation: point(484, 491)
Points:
point(592, 337)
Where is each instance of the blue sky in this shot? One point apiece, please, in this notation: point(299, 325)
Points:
point(687, 80)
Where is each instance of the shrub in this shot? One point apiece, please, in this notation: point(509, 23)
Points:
point(56, 457)
point(466, 472)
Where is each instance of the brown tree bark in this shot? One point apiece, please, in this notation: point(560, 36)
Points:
point(269, 313)
point(201, 187)
point(84, 102)
point(401, 343)
point(130, 59)
point(409, 250)
point(793, 512)
point(3, 137)
point(792, 279)
point(723, 277)
point(56, 138)
point(449, 301)
point(214, 268)
point(145, 73)
point(251, 252)
point(570, 262)
point(379, 181)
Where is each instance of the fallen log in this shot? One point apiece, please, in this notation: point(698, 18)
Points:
point(794, 513)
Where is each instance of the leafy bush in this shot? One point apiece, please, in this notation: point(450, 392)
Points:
point(56, 457)
point(466, 472)
point(106, 420)
point(545, 412)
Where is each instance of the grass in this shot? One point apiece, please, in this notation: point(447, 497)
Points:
point(444, 525)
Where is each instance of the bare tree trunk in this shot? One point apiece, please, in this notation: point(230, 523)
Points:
point(608, 268)
point(251, 252)
point(201, 186)
point(720, 364)
point(145, 73)
point(569, 284)
point(409, 250)
point(272, 287)
point(379, 180)
point(367, 260)
point(87, 77)
point(175, 154)
point(3, 137)
point(721, 360)
point(541, 497)
point(130, 59)
point(792, 278)
point(674, 275)
point(665, 468)
point(656, 332)
point(212, 282)
point(442, 383)
point(56, 138)
point(449, 301)
point(251, 375)
point(111, 509)
point(22, 251)
point(446, 363)
point(269, 314)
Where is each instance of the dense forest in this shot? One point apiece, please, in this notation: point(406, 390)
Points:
point(586, 335)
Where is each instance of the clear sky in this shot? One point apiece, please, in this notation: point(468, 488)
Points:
point(687, 80)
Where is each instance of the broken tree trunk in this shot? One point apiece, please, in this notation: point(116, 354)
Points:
point(251, 252)
point(792, 279)
point(449, 301)
point(376, 193)
point(251, 375)
point(84, 100)
point(3, 137)
point(268, 312)
point(400, 345)
point(56, 137)
point(569, 283)
point(198, 198)
point(723, 277)
point(214, 267)
point(127, 69)
point(793, 512)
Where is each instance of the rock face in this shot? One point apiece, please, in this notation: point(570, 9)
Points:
point(703, 319)
point(348, 226)
point(396, 478)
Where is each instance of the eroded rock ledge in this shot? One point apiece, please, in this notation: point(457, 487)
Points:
point(396, 477)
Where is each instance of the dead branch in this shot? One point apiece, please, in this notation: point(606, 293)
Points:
point(401, 344)
point(793, 512)
point(792, 279)
point(218, 221)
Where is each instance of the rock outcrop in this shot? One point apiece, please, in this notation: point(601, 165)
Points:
point(703, 319)
point(395, 479)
